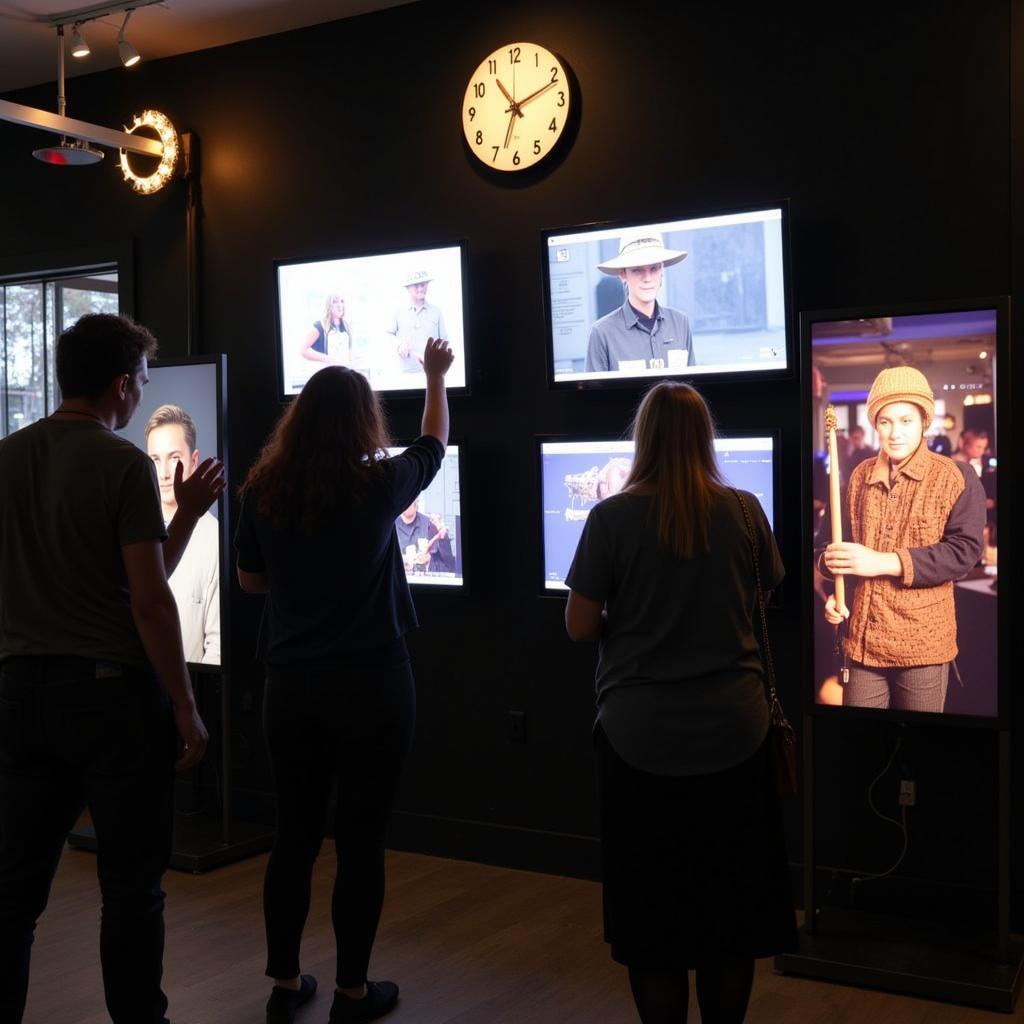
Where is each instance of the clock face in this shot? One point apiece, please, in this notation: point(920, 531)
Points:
point(516, 107)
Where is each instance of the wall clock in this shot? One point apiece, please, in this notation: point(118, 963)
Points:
point(516, 107)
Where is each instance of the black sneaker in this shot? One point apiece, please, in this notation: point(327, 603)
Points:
point(285, 1002)
point(380, 998)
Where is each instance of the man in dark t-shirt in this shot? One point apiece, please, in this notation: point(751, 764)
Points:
point(424, 543)
point(93, 685)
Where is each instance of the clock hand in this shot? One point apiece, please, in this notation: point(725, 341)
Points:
point(534, 95)
point(511, 124)
point(513, 105)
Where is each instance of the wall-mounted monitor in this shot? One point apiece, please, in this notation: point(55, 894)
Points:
point(430, 529)
point(697, 296)
point(181, 419)
point(912, 395)
point(372, 313)
point(575, 475)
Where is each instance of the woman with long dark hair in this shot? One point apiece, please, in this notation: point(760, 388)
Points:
point(317, 532)
point(695, 871)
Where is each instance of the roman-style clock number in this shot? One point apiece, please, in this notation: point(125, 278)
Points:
point(516, 107)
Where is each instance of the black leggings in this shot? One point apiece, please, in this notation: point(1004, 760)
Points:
point(723, 992)
point(325, 725)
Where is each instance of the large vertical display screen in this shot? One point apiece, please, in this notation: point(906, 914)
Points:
point(905, 510)
point(705, 295)
point(179, 420)
point(430, 529)
point(576, 475)
point(373, 314)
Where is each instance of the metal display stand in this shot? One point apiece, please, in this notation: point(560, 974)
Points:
point(902, 955)
point(205, 839)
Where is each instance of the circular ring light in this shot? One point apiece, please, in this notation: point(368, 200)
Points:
point(161, 125)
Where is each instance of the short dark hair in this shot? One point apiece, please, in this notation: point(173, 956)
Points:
point(98, 349)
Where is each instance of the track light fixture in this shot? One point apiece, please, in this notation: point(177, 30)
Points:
point(79, 47)
point(128, 54)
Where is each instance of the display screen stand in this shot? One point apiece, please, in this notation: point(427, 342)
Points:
point(897, 954)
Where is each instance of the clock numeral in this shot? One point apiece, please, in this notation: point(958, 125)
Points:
point(471, 112)
point(536, 60)
point(513, 55)
point(479, 89)
point(479, 138)
point(554, 75)
point(492, 67)
point(494, 159)
point(561, 99)
point(536, 145)
point(553, 127)
point(515, 159)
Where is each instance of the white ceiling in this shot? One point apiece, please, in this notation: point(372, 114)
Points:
point(28, 44)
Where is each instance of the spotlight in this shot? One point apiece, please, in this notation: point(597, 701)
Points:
point(79, 47)
point(128, 54)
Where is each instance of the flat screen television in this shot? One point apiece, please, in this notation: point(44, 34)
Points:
point(575, 475)
point(908, 491)
point(373, 313)
point(688, 297)
point(181, 419)
point(430, 530)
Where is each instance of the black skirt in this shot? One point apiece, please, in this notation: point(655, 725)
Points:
point(694, 866)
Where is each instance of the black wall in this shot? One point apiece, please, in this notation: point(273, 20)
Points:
point(890, 135)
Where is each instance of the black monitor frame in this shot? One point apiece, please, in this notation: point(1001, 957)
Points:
point(417, 393)
point(639, 383)
point(721, 433)
point(432, 586)
point(1001, 305)
point(219, 361)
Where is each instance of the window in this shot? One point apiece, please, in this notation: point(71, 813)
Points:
point(34, 312)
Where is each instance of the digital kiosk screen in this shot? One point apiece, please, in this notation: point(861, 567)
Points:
point(576, 475)
point(905, 511)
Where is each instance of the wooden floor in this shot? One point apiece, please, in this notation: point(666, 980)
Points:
point(468, 944)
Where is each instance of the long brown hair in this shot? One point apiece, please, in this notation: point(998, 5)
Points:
point(675, 460)
point(322, 453)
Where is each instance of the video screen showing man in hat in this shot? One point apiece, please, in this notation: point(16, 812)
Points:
point(641, 334)
point(915, 522)
point(415, 322)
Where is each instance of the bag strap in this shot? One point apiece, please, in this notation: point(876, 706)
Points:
point(766, 650)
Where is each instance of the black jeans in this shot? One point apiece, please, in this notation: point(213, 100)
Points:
point(330, 724)
point(69, 740)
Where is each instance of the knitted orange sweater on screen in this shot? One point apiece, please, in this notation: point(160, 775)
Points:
point(892, 623)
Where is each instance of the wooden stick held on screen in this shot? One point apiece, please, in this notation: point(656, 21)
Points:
point(835, 498)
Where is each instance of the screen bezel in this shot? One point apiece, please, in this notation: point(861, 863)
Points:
point(787, 372)
point(432, 586)
point(417, 393)
point(538, 462)
point(808, 318)
point(219, 361)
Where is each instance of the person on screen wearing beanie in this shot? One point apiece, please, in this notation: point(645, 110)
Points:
point(916, 521)
point(416, 321)
point(642, 334)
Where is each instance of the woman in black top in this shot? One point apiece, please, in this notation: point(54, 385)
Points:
point(317, 533)
point(695, 870)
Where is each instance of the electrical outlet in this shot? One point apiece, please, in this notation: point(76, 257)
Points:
point(517, 726)
point(908, 793)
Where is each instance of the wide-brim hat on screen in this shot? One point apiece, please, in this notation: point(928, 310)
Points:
point(417, 277)
point(901, 384)
point(641, 248)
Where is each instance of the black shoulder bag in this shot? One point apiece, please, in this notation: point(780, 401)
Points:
point(781, 738)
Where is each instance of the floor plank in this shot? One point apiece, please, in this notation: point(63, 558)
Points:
point(468, 944)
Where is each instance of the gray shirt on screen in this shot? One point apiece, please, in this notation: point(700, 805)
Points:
point(414, 326)
point(621, 336)
point(72, 494)
point(679, 676)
